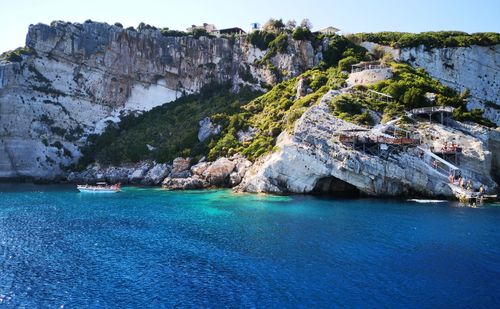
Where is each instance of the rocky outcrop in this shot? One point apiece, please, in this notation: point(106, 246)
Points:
point(189, 183)
point(476, 68)
point(369, 76)
point(207, 129)
point(156, 174)
point(145, 173)
point(217, 174)
point(78, 78)
point(311, 158)
point(223, 172)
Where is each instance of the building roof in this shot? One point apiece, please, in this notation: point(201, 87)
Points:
point(328, 30)
point(231, 30)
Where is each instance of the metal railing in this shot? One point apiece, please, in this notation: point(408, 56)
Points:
point(432, 109)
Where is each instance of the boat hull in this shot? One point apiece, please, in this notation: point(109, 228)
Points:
point(98, 190)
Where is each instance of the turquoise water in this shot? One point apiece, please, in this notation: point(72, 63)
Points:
point(153, 248)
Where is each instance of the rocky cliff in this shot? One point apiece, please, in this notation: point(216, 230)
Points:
point(312, 159)
point(75, 79)
point(476, 68)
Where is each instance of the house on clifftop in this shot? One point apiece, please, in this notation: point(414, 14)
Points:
point(230, 31)
point(328, 30)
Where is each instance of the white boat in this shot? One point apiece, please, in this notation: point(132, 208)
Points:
point(100, 187)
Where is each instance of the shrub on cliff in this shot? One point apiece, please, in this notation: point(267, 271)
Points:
point(431, 39)
point(339, 47)
point(302, 34)
point(16, 55)
point(174, 33)
point(350, 108)
point(260, 39)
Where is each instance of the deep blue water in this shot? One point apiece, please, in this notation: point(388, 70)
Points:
point(153, 248)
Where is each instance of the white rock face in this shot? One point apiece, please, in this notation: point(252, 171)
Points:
point(367, 77)
point(311, 154)
point(207, 129)
point(144, 98)
point(81, 77)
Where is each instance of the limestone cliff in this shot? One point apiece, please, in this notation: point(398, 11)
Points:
point(311, 158)
point(77, 78)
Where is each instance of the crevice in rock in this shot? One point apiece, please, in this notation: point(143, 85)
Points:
point(335, 187)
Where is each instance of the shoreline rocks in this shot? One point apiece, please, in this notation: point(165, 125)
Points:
point(223, 172)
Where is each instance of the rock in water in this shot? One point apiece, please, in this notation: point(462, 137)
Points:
point(183, 183)
point(140, 172)
point(217, 174)
point(180, 165)
point(156, 174)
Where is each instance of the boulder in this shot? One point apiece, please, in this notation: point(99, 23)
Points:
point(207, 129)
point(183, 174)
point(199, 168)
point(156, 174)
point(116, 174)
point(301, 88)
point(139, 172)
point(183, 183)
point(242, 165)
point(180, 164)
point(234, 179)
point(217, 173)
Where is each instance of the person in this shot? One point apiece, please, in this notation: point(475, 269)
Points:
point(481, 190)
point(453, 147)
point(421, 155)
point(435, 164)
point(469, 185)
point(461, 182)
point(451, 178)
point(445, 146)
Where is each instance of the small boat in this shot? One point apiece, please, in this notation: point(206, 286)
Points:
point(100, 187)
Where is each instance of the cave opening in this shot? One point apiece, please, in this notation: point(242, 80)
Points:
point(335, 187)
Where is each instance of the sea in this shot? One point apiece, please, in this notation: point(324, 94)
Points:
point(151, 248)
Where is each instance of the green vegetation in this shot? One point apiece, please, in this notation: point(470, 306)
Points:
point(16, 55)
point(278, 45)
point(302, 34)
point(171, 128)
point(272, 113)
point(431, 39)
point(261, 39)
point(340, 48)
point(175, 33)
point(348, 108)
point(408, 87)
